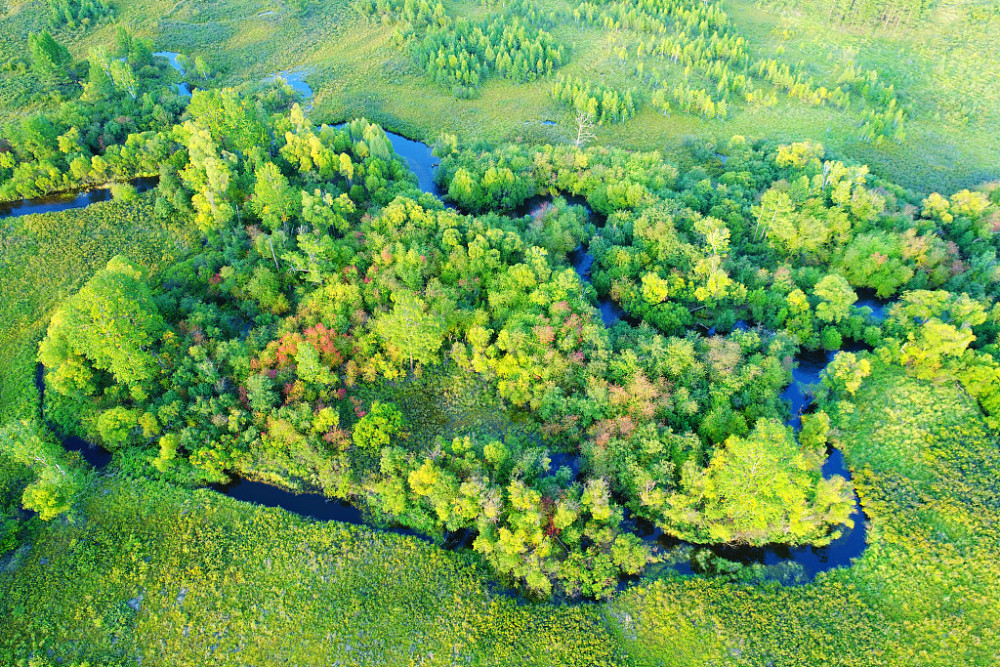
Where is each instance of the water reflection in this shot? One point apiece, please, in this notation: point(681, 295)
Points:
point(67, 200)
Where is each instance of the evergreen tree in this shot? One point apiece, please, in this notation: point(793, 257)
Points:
point(50, 59)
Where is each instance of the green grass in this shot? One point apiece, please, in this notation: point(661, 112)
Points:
point(448, 403)
point(226, 583)
point(264, 587)
point(924, 593)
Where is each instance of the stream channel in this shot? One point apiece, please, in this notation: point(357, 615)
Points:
point(805, 376)
point(174, 59)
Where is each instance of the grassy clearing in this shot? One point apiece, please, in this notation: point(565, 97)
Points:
point(944, 68)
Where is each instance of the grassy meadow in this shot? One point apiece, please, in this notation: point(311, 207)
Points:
point(944, 69)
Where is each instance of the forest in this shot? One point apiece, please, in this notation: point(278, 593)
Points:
point(286, 384)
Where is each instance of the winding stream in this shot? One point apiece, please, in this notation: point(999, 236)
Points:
point(806, 378)
point(173, 58)
point(419, 158)
point(808, 560)
point(67, 200)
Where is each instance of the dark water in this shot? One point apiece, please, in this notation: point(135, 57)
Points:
point(580, 259)
point(532, 206)
point(313, 505)
point(805, 381)
point(611, 312)
point(296, 80)
point(420, 159)
point(172, 58)
point(67, 200)
point(808, 560)
point(867, 298)
point(92, 454)
point(558, 460)
point(813, 560)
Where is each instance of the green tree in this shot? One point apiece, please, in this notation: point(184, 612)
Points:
point(377, 428)
point(845, 372)
point(410, 331)
point(836, 296)
point(123, 76)
point(756, 489)
point(50, 59)
point(774, 207)
point(275, 201)
point(57, 481)
point(112, 324)
point(938, 326)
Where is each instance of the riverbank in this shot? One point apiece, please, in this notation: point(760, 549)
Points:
point(923, 594)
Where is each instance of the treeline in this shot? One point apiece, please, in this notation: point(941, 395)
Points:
point(461, 54)
point(73, 13)
point(690, 100)
point(602, 103)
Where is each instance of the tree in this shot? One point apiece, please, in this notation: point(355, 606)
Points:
point(844, 374)
point(411, 330)
point(774, 206)
point(377, 428)
point(112, 325)
point(837, 298)
point(938, 326)
point(124, 78)
point(875, 260)
point(57, 480)
point(50, 59)
point(275, 201)
point(584, 128)
point(210, 173)
point(201, 68)
point(758, 488)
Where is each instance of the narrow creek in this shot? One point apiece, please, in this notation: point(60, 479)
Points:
point(64, 201)
point(418, 157)
point(174, 59)
point(806, 378)
point(806, 374)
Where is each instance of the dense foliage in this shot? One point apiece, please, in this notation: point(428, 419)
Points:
point(116, 129)
point(326, 271)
